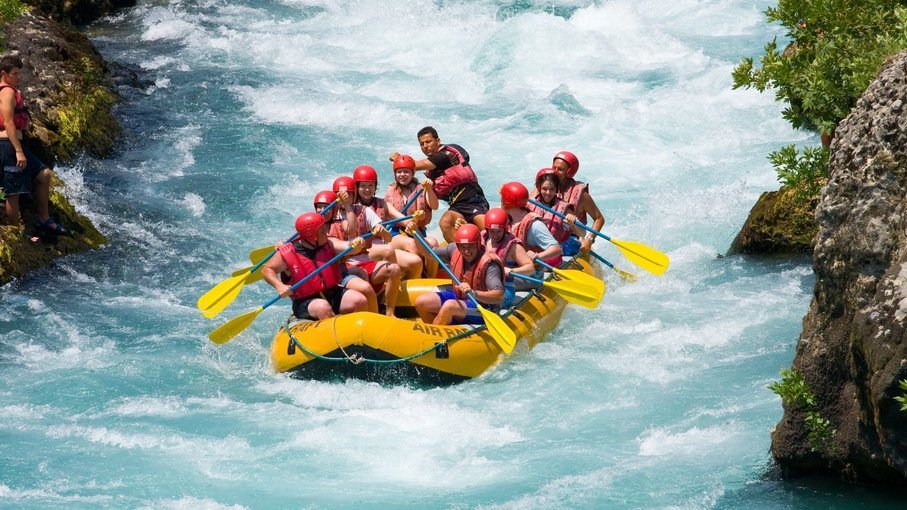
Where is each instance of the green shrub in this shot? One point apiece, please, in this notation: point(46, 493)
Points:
point(806, 173)
point(10, 9)
point(903, 398)
point(836, 47)
point(794, 391)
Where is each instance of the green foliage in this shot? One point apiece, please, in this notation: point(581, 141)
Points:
point(10, 9)
point(2, 194)
point(903, 398)
point(806, 173)
point(794, 391)
point(836, 47)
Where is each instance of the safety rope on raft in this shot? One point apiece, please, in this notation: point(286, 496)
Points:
point(357, 359)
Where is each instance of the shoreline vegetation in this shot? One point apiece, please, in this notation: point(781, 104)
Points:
point(71, 96)
point(836, 48)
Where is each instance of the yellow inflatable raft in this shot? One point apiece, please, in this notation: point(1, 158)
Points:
point(393, 349)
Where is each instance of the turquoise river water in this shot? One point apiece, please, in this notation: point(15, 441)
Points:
point(112, 396)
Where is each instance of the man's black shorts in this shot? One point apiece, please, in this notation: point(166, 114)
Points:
point(469, 201)
point(13, 180)
point(333, 296)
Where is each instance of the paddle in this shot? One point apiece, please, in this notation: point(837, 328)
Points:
point(502, 335)
point(643, 256)
point(221, 295)
point(572, 291)
point(578, 276)
point(237, 324)
point(630, 277)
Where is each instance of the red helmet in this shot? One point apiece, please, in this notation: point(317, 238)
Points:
point(344, 183)
point(404, 161)
point(365, 173)
point(497, 218)
point(467, 234)
point(307, 226)
point(543, 172)
point(324, 197)
point(571, 160)
point(514, 194)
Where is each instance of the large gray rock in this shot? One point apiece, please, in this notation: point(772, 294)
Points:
point(853, 351)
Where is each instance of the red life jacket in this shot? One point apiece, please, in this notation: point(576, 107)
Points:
point(299, 266)
point(521, 231)
point(396, 198)
point(573, 194)
point(379, 206)
point(503, 248)
point(475, 275)
point(455, 176)
point(338, 230)
point(558, 228)
point(21, 115)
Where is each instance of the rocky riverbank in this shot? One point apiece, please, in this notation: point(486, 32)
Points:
point(852, 352)
point(71, 96)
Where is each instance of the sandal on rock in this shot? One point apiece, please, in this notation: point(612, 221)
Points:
point(49, 226)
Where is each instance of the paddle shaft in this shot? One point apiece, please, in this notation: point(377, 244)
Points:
point(602, 260)
point(564, 217)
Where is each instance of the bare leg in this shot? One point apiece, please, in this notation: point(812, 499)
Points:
point(390, 275)
point(12, 210)
point(427, 305)
point(479, 221)
point(353, 301)
point(320, 309)
point(42, 194)
point(447, 223)
point(450, 310)
point(410, 263)
point(361, 285)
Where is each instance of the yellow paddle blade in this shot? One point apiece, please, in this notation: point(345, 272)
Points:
point(234, 326)
point(502, 335)
point(577, 293)
point(250, 277)
point(643, 256)
point(212, 302)
point(257, 254)
point(580, 277)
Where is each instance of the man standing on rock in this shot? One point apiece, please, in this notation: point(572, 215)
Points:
point(453, 181)
point(23, 172)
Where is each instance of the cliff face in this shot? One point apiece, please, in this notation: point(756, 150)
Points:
point(68, 87)
point(853, 348)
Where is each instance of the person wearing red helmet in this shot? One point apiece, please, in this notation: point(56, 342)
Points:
point(397, 195)
point(576, 193)
point(377, 264)
point(453, 180)
point(527, 226)
point(479, 270)
point(498, 239)
point(321, 297)
point(563, 230)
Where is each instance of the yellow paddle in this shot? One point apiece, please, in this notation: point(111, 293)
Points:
point(502, 335)
point(235, 325)
point(578, 276)
point(573, 292)
point(221, 295)
point(630, 277)
point(643, 256)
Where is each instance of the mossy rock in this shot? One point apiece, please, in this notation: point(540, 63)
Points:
point(19, 254)
point(781, 222)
